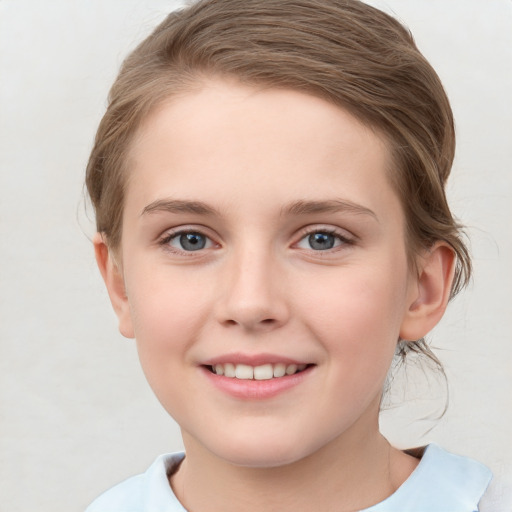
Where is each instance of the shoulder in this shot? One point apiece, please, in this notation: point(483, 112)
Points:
point(125, 496)
point(442, 481)
point(149, 491)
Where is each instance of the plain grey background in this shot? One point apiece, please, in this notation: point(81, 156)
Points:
point(76, 415)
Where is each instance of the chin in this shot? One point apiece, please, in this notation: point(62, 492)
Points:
point(260, 460)
point(262, 454)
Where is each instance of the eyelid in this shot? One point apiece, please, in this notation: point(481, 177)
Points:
point(164, 239)
point(346, 237)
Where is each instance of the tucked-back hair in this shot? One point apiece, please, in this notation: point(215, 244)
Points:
point(343, 51)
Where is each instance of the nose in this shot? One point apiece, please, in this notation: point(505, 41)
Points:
point(253, 296)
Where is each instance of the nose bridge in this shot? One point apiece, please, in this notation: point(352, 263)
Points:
point(252, 296)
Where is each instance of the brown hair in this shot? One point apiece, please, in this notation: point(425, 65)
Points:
point(344, 51)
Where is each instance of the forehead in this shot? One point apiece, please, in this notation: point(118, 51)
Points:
point(228, 142)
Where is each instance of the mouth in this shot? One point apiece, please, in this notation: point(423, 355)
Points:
point(262, 372)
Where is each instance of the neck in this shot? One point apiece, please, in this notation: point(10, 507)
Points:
point(352, 472)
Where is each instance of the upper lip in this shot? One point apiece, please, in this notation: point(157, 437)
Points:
point(252, 359)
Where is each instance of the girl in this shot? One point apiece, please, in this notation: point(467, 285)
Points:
point(268, 182)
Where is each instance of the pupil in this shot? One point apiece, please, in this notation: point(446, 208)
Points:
point(321, 241)
point(192, 241)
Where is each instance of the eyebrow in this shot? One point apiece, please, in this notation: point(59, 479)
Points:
point(301, 207)
point(179, 206)
point(328, 206)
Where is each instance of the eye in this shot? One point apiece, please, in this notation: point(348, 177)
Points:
point(322, 241)
point(188, 241)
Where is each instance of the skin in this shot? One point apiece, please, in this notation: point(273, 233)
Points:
point(253, 159)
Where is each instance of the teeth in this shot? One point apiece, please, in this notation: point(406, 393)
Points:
point(263, 372)
point(244, 372)
point(279, 370)
point(229, 370)
point(291, 369)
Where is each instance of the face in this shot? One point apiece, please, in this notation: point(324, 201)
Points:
point(264, 270)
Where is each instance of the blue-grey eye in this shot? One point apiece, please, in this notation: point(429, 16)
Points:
point(191, 241)
point(321, 241)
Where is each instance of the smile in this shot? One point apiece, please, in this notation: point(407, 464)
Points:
point(262, 372)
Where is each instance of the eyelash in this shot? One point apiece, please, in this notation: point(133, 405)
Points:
point(169, 236)
point(307, 232)
point(341, 237)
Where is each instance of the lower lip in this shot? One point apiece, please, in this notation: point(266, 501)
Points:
point(249, 389)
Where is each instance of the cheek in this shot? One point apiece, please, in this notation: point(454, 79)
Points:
point(357, 321)
point(167, 314)
point(163, 300)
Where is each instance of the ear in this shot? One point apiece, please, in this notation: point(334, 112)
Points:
point(429, 293)
point(114, 281)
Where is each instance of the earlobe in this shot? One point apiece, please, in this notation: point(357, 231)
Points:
point(114, 281)
point(430, 292)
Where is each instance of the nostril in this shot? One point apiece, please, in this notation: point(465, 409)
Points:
point(264, 325)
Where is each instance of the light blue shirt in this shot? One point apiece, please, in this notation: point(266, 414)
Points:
point(442, 482)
